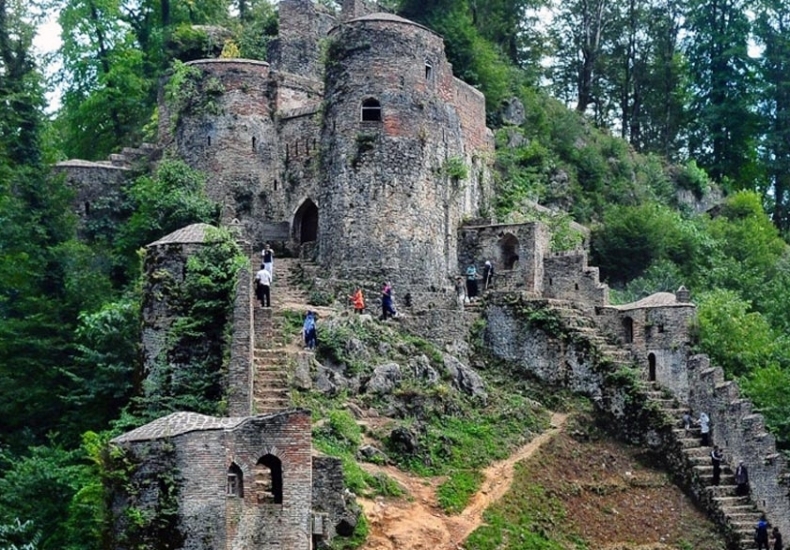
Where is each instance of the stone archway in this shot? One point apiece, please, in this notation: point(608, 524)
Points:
point(305, 223)
point(508, 251)
point(651, 367)
point(269, 479)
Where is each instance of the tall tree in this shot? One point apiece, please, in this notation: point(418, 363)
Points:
point(772, 31)
point(580, 35)
point(724, 131)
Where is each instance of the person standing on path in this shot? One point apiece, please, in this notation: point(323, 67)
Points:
point(460, 292)
point(358, 300)
point(716, 456)
point(704, 428)
point(488, 275)
point(761, 533)
point(309, 331)
point(471, 282)
point(741, 479)
point(777, 536)
point(387, 305)
point(263, 282)
point(267, 259)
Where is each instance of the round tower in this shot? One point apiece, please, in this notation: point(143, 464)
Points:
point(392, 193)
point(221, 123)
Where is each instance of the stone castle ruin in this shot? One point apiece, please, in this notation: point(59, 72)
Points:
point(355, 149)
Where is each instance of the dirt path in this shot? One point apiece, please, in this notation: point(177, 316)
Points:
point(417, 522)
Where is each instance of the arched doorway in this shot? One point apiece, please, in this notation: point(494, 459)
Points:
point(305, 224)
point(269, 479)
point(651, 367)
point(628, 330)
point(508, 251)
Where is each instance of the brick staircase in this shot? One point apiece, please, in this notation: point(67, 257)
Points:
point(737, 515)
point(273, 349)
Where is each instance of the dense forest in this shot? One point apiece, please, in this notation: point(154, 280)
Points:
point(630, 107)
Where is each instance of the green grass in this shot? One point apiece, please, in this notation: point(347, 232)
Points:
point(454, 494)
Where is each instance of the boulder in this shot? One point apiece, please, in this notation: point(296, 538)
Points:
point(385, 378)
point(403, 440)
point(513, 112)
point(369, 453)
point(465, 378)
point(302, 379)
point(421, 367)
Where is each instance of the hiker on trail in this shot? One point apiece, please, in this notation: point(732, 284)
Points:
point(704, 428)
point(387, 305)
point(761, 533)
point(488, 275)
point(687, 416)
point(263, 281)
point(358, 300)
point(716, 456)
point(741, 479)
point(777, 536)
point(460, 292)
point(309, 331)
point(267, 259)
point(471, 282)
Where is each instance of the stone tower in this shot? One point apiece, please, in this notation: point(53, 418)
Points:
point(393, 192)
point(228, 132)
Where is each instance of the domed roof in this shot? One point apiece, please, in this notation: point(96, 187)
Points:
point(388, 17)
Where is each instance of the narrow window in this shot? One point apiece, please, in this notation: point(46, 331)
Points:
point(428, 71)
point(253, 144)
point(208, 140)
point(87, 208)
point(371, 110)
point(235, 481)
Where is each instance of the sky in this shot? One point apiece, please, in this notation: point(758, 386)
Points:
point(47, 40)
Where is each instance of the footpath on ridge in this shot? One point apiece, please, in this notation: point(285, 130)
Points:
point(418, 523)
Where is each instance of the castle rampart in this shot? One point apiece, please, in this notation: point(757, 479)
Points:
point(742, 436)
point(568, 277)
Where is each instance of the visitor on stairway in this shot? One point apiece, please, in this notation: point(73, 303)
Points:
point(488, 275)
point(267, 259)
point(716, 456)
point(358, 301)
point(704, 428)
point(460, 292)
point(687, 419)
point(761, 533)
point(471, 282)
point(777, 536)
point(263, 282)
point(309, 331)
point(387, 303)
point(741, 479)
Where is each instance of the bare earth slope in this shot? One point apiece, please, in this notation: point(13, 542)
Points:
point(417, 522)
point(611, 500)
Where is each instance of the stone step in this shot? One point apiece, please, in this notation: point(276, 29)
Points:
point(732, 501)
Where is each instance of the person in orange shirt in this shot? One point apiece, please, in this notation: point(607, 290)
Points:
point(358, 300)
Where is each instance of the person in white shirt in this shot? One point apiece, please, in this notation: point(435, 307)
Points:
point(263, 283)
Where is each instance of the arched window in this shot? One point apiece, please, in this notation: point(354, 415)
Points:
point(269, 480)
point(235, 481)
point(628, 330)
point(428, 71)
point(371, 110)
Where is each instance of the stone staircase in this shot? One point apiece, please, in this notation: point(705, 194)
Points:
point(737, 515)
point(274, 350)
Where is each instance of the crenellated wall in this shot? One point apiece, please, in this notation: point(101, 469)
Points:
point(742, 435)
point(568, 277)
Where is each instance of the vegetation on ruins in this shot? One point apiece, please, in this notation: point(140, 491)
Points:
point(634, 134)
